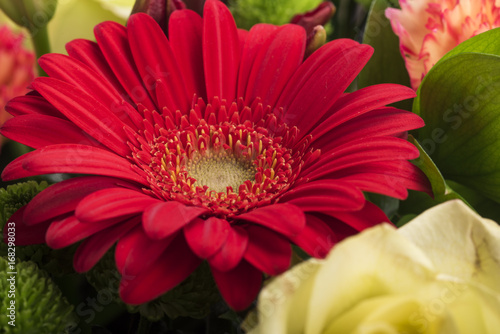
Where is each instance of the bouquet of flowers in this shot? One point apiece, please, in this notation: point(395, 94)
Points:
point(285, 166)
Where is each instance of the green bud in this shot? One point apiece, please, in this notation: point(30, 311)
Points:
point(34, 303)
point(31, 14)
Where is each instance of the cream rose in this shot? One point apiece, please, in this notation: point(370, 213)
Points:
point(440, 273)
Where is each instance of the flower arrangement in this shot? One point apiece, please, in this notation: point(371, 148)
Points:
point(195, 171)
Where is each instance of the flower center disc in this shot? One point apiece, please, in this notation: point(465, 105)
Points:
point(219, 171)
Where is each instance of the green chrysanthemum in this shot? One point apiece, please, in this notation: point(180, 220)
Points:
point(39, 306)
point(250, 12)
point(192, 298)
point(56, 262)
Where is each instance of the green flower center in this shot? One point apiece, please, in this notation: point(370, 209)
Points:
point(220, 170)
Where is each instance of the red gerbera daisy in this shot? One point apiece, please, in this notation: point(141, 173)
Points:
point(214, 144)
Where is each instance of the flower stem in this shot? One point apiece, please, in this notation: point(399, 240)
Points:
point(40, 38)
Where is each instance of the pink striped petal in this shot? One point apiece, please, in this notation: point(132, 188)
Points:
point(325, 195)
point(163, 219)
point(206, 237)
point(39, 130)
point(136, 252)
point(86, 112)
point(267, 251)
point(71, 158)
point(113, 42)
point(171, 268)
point(63, 197)
point(275, 64)
point(221, 51)
point(185, 29)
point(285, 218)
point(231, 252)
point(239, 287)
point(111, 203)
point(94, 247)
point(155, 61)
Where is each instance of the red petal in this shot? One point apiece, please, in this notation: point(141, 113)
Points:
point(317, 238)
point(205, 237)
point(89, 53)
point(240, 286)
point(270, 73)
point(369, 216)
point(355, 104)
point(70, 158)
point(162, 220)
point(171, 268)
point(136, 252)
point(399, 174)
point(94, 247)
point(285, 218)
point(221, 51)
point(325, 83)
point(359, 152)
point(267, 251)
point(78, 74)
point(155, 61)
point(32, 105)
point(70, 230)
point(86, 112)
point(259, 36)
point(111, 203)
point(23, 234)
point(113, 42)
point(231, 252)
point(185, 31)
point(325, 195)
point(376, 123)
point(64, 196)
point(39, 130)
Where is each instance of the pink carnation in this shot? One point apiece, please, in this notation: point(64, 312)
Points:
point(428, 29)
point(16, 69)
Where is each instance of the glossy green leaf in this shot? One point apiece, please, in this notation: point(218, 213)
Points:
point(387, 64)
point(459, 101)
point(418, 202)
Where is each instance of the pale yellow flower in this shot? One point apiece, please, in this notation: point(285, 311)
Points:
point(440, 273)
point(428, 29)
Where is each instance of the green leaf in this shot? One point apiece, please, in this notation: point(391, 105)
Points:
point(459, 101)
point(418, 202)
point(387, 64)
